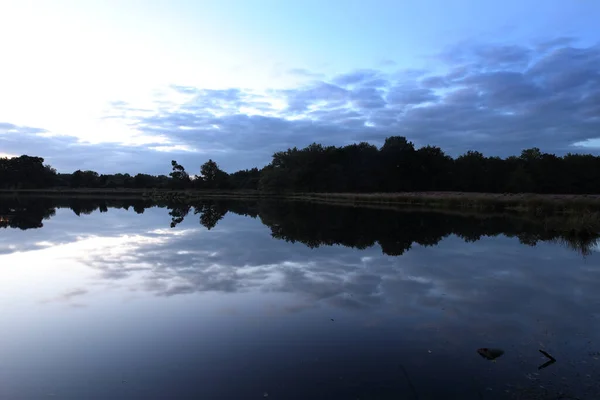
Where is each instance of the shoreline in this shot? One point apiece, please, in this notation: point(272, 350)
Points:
point(509, 202)
point(513, 202)
point(569, 214)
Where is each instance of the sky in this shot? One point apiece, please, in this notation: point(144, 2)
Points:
point(129, 85)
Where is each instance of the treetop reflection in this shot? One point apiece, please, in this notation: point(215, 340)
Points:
point(314, 224)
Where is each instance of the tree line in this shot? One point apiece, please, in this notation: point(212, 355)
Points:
point(396, 166)
point(312, 224)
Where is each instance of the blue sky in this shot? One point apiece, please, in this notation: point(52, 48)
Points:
point(129, 85)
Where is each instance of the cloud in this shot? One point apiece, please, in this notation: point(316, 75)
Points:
point(496, 98)
point(300, 100)
point(304, 73)
point(5, 126)
point(408, 96)
point(185, 89)
point(434, 82)
point(387, 63)
point(556, 42)
point(367, 98)
point(67, 153)
point(356, 77)
point(11, 129)
point(504, 55)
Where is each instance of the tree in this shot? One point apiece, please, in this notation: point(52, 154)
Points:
point(145, 181)
point(520, 181)
point(359, 167)
point(26, 172)
point(179, 177)
point(470, 172)
point(245, 179)
point(433, 169)
point(273, 179)
point(86, 179)
point(213, 177)
point(397, 164)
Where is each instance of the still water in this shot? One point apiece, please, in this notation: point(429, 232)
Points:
point(246, 300)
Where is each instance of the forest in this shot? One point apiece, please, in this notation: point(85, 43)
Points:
point(396, 166)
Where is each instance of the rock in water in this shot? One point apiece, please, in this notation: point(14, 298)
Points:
point(490, 354)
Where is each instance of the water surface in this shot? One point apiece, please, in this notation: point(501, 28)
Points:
point(242, 300)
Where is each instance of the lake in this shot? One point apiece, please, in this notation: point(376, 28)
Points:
point(226, 299)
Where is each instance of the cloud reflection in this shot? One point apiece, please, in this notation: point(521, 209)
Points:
point(168, 263)
point(489, 280)
point(69, 298)
point(454, 278)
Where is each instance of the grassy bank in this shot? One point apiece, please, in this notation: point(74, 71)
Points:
point(516, 203)
point(531, 203)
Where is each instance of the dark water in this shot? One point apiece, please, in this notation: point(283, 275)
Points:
point(246, 300)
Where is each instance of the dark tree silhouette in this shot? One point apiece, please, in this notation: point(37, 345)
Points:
point(213, 177)
point(397, 166)
point(89, 179)
point(245, 179)
point(180, 178)
point(26, 172)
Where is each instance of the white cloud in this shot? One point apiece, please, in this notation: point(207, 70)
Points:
point(497, 99)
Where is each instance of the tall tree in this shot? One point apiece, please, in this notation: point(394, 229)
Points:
point(213, 176)
point(180, 178)
point(397, 164)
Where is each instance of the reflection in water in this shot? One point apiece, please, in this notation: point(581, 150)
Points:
point(316, 224)
point(346, 303)
point(178, 214)
point(25, 214)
